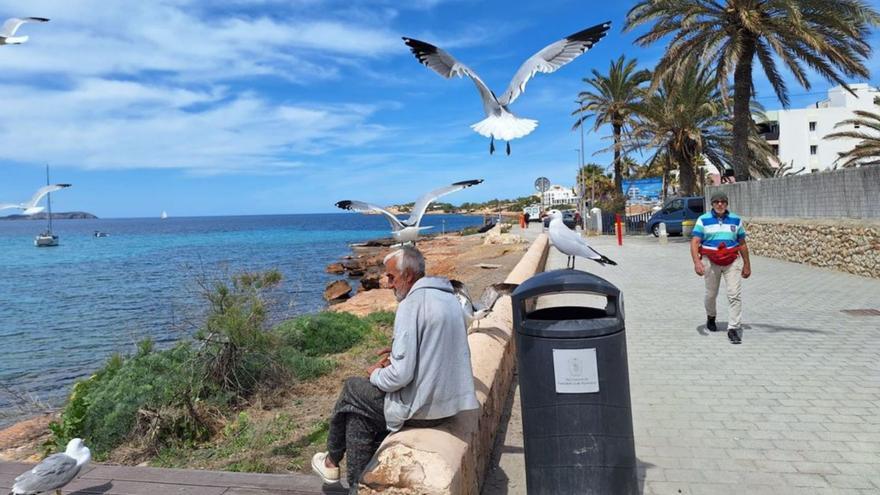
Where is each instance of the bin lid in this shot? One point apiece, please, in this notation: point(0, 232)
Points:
point(570, 321)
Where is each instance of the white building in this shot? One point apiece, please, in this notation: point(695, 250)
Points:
point(798, 135)
point(559, 195)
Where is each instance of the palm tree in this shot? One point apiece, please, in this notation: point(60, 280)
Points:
point(828, 36)
point(867, 150)
point(611, 101)
point(687, 124)
point(596, 183)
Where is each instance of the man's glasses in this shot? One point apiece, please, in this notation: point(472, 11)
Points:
point(719, 202)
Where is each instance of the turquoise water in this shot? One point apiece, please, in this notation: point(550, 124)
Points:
point(63, 310)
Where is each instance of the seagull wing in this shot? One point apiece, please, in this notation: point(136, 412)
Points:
point(4, 206)
point(447, 66)
point(494, 292)
point(362, 207)
point(12, 24)
point(54, 472)
point(422, 203)
point(570, 243)
point(551, 58)
point(42, 192)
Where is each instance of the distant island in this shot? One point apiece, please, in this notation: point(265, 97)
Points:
point(70, 215)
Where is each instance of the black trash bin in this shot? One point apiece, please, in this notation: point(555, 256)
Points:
point(574, 387)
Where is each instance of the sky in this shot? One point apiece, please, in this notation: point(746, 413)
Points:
point(287, 106)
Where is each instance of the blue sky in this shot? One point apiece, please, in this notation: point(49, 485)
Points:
point(271, 106)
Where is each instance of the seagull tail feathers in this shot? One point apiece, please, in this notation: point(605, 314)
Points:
point(605, 260)
point(505, 127)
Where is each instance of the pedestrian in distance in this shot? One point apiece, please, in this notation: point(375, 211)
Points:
point(720, 238)
point(522, 220)
point(526, 217)
point(422, 380)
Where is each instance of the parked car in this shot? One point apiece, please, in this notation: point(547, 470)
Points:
point(567, 219)
point(674, 212)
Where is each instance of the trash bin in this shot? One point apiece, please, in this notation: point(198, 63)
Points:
point(574, 386)
point(687, 227)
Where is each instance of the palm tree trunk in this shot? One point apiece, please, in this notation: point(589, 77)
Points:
point(742, 116)
point(618, 180)
point(686, 175)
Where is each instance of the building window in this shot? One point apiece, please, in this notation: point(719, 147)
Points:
point(814, 149)
point(812, 127)
point(775, 149)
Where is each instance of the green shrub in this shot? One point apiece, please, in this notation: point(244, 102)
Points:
point(323, 333)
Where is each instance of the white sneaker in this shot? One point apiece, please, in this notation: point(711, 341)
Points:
point(328, 474)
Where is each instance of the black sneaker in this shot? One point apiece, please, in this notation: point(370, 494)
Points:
point(710, 324)
point(733, 336)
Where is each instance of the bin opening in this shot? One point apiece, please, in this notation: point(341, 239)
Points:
point(567, 313)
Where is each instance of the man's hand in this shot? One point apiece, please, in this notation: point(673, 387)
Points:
point(381, 363)
point(700, 269)
point(747, 271)
point(386, 350)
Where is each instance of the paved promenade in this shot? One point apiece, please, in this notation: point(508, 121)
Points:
point(794, 409)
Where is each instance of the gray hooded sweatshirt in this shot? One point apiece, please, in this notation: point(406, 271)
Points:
point(430, 374)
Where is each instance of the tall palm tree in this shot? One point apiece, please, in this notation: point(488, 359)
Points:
point(867, 150)
point(610, 102)
point(828, 36)
point(687, 124)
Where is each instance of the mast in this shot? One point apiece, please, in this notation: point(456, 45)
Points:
point(49, 200)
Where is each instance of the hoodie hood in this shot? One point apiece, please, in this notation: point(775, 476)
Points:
point(438, 283)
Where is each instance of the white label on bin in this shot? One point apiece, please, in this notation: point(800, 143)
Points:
point(576, 371)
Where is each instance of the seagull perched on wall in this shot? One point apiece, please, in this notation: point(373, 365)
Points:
point(7, 32)
point(408, 230)
point(30, 207)
point(54, 472)
point(475, 311)
point(568, 242)
point(500, 123)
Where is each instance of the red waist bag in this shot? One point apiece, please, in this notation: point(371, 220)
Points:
point(722, 256)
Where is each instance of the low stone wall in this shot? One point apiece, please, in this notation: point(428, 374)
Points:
point(453, 459)
point(846, 245)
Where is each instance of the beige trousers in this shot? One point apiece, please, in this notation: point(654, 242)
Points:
point(732, 275)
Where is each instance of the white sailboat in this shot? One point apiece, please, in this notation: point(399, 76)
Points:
point(47, 238)
point(164, 215)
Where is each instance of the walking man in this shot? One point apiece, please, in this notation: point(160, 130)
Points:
point(424, 379)
point(720, 237)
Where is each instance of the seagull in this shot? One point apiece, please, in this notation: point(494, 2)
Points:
point(408, 230)
point(54, 472)
point(7, 32)
point(500, 123)
point(475, 311)
point(30, 207)
point(568, 242)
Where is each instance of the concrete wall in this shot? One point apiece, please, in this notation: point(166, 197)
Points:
point(846, 193)
point(452, 459)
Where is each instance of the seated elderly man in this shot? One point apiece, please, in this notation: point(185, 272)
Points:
point(426, 378)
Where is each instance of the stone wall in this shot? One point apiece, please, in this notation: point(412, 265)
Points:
point(847, 245)
point(452, 459)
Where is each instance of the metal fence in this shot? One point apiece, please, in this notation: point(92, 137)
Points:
point(634, 224)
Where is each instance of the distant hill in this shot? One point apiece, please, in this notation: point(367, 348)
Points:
point(70, 215)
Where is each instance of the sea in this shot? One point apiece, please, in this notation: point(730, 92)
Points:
point(65, 309)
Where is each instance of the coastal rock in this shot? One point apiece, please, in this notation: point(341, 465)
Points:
point(335, 268)
point(367, 302)
point(371, 281)
point(337, 290)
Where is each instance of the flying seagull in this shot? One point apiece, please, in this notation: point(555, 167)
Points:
point(475, 311)
point(500, 122)
point(7, 32)
point(30, 207)
point(54, 472)
point(568, 242)
point(408, 230)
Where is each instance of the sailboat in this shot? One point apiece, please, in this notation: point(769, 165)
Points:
point(164, 215)
point(47, 238)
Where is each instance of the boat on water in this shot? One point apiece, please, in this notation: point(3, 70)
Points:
point(47, 238)
point(98, 233)
point(164, 215)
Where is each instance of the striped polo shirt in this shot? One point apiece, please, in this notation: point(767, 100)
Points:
point(713, 230)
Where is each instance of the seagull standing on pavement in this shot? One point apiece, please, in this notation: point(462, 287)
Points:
point(475, 311)
point(408, 230)
point(30, 207)
point(54, 472)
point(500, 122)
point(568, 242)
point(7, 32)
